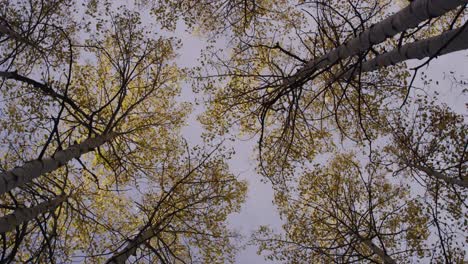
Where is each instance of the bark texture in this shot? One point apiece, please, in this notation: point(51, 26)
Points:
point(122, 256)
point(441, 176)
point(379, 252)
point(409, 17)
point(30, 170)
point(23, 215)
point(447, 42)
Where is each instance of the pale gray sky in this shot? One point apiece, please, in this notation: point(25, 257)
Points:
point(258, 209)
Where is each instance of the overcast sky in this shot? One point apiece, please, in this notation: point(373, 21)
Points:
point(258, 209)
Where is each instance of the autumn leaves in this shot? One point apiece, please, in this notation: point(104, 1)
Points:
point(109, 177)
point(362, 164)
point(94, 168)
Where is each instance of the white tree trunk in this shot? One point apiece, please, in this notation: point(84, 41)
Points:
point(447, 42)
point(122, 256)
point(35, 168)
point(409, 17)
point(441, 176)
point(378, 251)
point(23, 215)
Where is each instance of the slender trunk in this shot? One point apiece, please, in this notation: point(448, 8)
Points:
point(378, 251)
point(450, 41)
point(409, 17)
point(122, 256)
point(35, 168)
point(23, 215)
point(441, 176)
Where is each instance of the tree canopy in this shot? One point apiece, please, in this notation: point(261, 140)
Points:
point(367, 162)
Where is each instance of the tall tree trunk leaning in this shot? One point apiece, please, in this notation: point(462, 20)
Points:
point(23, 215)
point(440, 176)
point(121, 256)
point(35, 168)
point(409, 17)
point(447, 42)
point(378, 251)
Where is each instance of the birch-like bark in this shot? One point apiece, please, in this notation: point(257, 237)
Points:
point(35, 168)
point(409, 17)
point(23, 215)
point(122, 256)
point(378, 251)
point(441, 176)
point(447, 42)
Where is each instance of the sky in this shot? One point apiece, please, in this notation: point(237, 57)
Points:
point(259, 209)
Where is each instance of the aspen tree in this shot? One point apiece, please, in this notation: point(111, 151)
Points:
point(410, 16)
point(347, 213)
point(22, 215)
point(36, 168)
